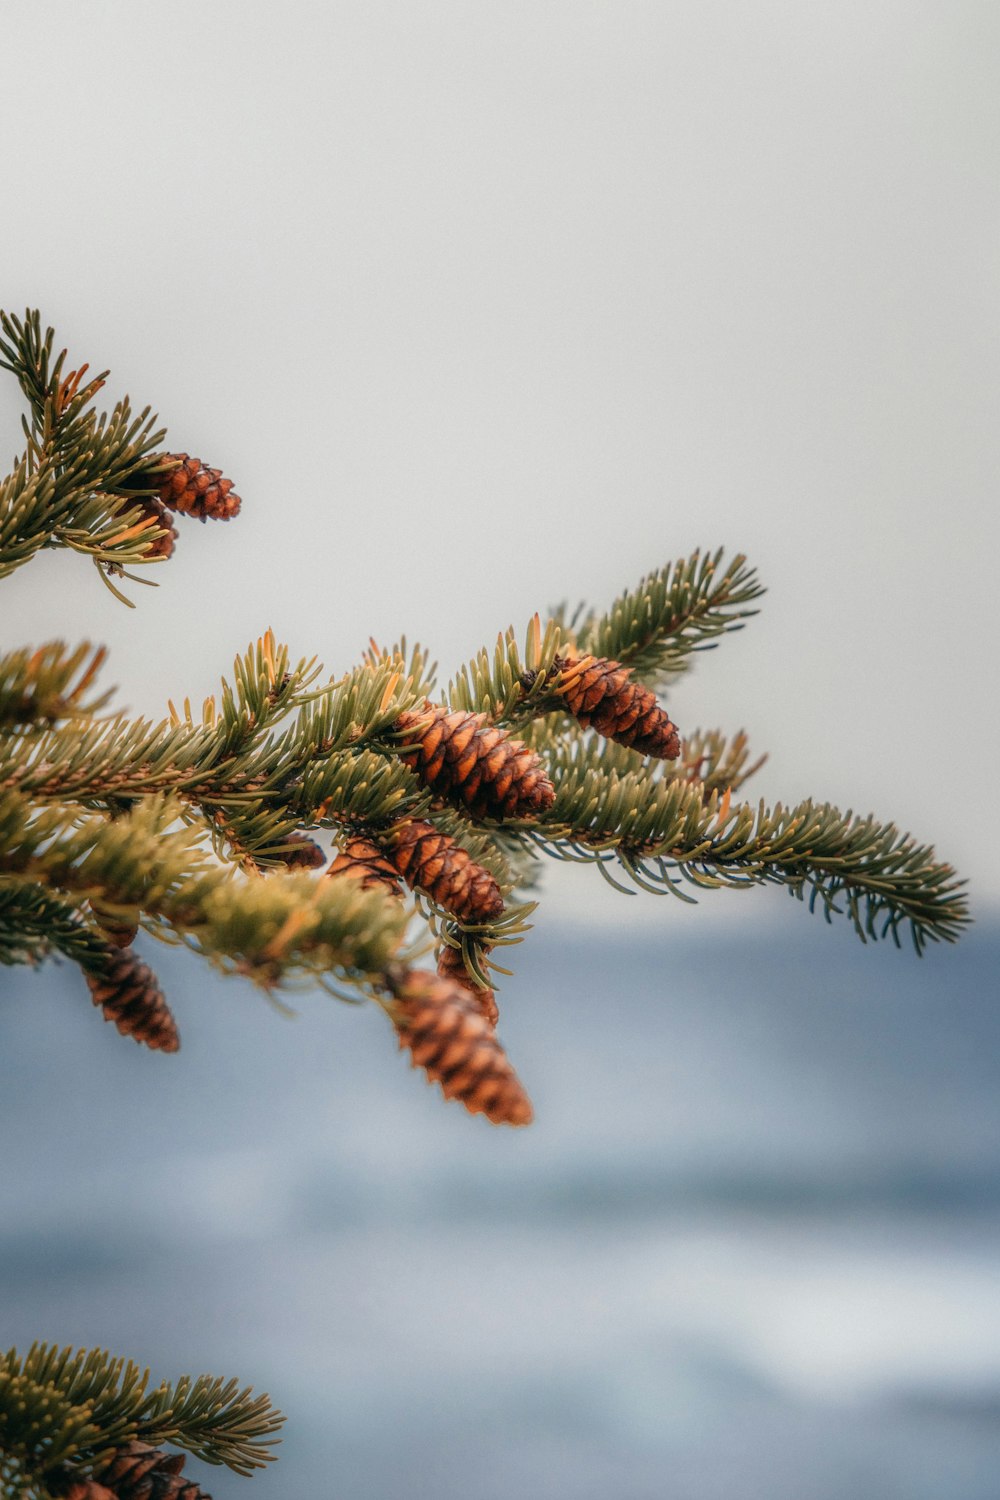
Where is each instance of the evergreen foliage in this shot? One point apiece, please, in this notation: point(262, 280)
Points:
point(64, 1414)
point(190, 825)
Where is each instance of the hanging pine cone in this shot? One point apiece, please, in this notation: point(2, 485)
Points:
point(449, 1037)
point(463, 756)
point(300, 853)
point(431, 861)
point(194, 489)
point(130, 996)
point(451, 965)
point(139, 1471)
point(119, 929)
point(599, 694)
point(363, 860)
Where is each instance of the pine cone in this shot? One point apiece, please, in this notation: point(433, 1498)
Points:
point(362, 860)
point(443, 1027)
point(120, 931)
point(599, 694)
point(139, 1471)
point(462, 755)
point(194, 489)
point(451, 965)
point(154, 510)
point(130, 996)
point(85, 1489)
point(300, 853)
point(431, 861)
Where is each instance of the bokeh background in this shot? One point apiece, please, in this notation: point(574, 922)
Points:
point(484, 307)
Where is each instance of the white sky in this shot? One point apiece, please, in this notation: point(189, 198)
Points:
point(484, 306)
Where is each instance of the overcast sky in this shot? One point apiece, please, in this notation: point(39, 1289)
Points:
point(484, 306)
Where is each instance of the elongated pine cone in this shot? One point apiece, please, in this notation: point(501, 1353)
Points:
point(431, 861)
point(451, 965)
point(139, 1471)
point(300, 853)
point(599, 694)
point(195, 489)
point(364, 861)
point(462, 755)
point(129, 995)
point(450, 1038)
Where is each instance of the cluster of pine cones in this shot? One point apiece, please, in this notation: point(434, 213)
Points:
point(446, 1019)
point(187, 487)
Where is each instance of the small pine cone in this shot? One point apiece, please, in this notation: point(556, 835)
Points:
point(364, 861)
point(154, 510)
point(462, 755)
point(120, 931)
point(194, 489)
point(599, 694)
point(451, 965)
point(130, 996)
point(450, 1038)
point(300, 853)
point(139, 1471)
point(431, 861)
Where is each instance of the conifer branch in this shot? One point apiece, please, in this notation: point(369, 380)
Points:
point(200, 827)
point(719, 762)
point(663, 832)
point(64, 1414)
point(37, 688)
point(684, 607)
point(112, 820)
point(35, 925)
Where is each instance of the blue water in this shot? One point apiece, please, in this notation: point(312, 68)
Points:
point(750, 1249)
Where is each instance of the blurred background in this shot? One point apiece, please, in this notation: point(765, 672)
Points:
point(748, 1247)
point(484, 307)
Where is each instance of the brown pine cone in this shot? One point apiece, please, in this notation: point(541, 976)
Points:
point(130, 996)
point(363, 860)
point(463, 756)
point(300, 853)
point(431, 861)
point(442, 1025)
point(119, 930)
point(194, 489)
point(86, 1489)
point(599, 694)
point(139, 1471)
point(451, 965)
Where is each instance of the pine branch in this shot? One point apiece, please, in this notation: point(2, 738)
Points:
point(37, 688)
point(65, 1413)
point(507, 685)
point(105, 821)
point(719, 762)
point(654, 630)
point(662, 831)
point(81, 472)
point(34, 924)
point(198, 826)
point(28, 354)
point(683, 608)
point(214, 1420)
